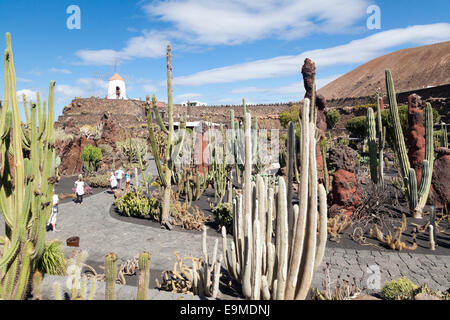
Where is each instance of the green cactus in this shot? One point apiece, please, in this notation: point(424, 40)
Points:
point(153, 142)
point(270, 269)
point(399, 140)
point(326, 177)
point(25, 205)
point(417, 196)
point(110, 275)
point(371, 128)
point(144, 275)
point(444, 136)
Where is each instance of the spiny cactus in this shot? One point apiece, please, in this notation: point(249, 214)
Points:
point(444, 136)
point(417, 196)
point(144, 275)
point(280, 269)
point(111, 275)
point(25, 198)
point(372, 145)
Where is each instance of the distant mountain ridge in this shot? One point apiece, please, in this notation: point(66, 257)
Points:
point(411, 68)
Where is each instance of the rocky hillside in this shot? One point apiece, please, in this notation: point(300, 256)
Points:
point(412, 68)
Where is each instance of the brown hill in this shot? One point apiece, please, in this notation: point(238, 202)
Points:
point(411, 68)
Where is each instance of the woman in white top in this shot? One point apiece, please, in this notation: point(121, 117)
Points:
point(79, 185)
point(113, 181)
point(52, 220)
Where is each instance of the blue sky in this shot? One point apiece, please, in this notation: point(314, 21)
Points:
point(222, 50)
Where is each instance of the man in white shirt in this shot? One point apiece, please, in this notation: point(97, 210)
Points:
point(119, 177)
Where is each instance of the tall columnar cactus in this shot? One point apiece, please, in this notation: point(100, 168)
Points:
point(25, 198)
point(280, 269)
point(444, 136)
point(371, 130)
point(110, 275)
point(417, 196)
point(168, 190)
point(427, 164)
point(153, 140)
point(399, 139)
point(381, 135)
point(144, 275)
point(326, 177)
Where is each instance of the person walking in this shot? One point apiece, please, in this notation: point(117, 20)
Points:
point(51, 225)
point(79, 189)
point(127, 181)
point(119, 177)
point(113, 181)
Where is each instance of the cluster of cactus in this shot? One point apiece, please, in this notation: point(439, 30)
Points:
point(394, 241)
point(417, 195)
point(76, 283)
point(206, 274)
point(444, 136)
point(133, 148)
point(376, 150)
point(282, 269)
point(218, 170)
point(25, 198)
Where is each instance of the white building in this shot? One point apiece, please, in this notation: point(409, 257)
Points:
point(116, 88)
point(194, 104)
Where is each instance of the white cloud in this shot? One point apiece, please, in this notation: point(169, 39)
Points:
point(151, 45)
point(235, 21)
point(293, 88)
point(85, 88)
point(30, 94)
point(64, 71)
point(356, 51)
point(187, 96)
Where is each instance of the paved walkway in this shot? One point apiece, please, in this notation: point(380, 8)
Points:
point(100, 233)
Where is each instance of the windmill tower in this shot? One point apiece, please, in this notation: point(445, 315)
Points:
point(116, 87)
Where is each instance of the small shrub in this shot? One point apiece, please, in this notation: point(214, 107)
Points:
point(91, 132)
point(135, 204)
point(401, 289)
point(223, 214)
point(53, 261)
point(61, 135)
point(289, 115)
point(99, 181)
point(344, 142)
point(333, 117)
point(106, 148)
point(362, 109)
point(91, 157)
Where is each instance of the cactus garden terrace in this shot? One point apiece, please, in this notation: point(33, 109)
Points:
point(218, 207)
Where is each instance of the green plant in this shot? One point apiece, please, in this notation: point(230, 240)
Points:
point(134, 204)
point(333, 116)
point(417, 196)
point(444, 136)
point(144, 275)
point(287, 116)
point(362, 109)
point(91, 157)
point(99, 181)
point(91, 132)
point(25, 198)
point(133, 148)
point(253, 212)
point(52, 260)
point(401, 289)
point(223, 214)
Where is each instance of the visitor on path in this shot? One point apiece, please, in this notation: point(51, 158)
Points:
point(127, 180)
point(119, 177)
point(51, 225)
point(79, 189)
point(113, 181)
